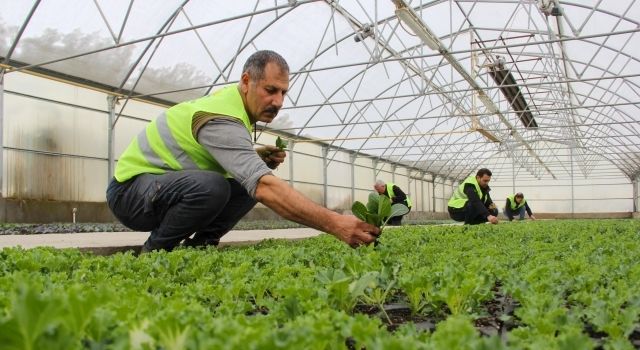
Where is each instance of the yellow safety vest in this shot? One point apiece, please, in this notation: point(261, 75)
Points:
point(168, 144)
point(459, 198)
point(512, 200)
point(392, 194)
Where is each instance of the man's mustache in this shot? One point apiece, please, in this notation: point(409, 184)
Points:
point(273, 110)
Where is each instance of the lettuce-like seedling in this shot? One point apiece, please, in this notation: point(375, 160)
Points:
point(280, 143)
point(378, 210)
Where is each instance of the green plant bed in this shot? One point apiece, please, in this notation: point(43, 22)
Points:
point(535, 285)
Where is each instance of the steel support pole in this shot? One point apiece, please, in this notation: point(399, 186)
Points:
point(291, 144)
point(393, 173)
point(634, 181)
point(444, 204)
point(422, 202)
point(1, 132)
point(433, 192)
point(374, 163)
point(572, 193)
point(111, 108)
point(513, 175)
point(325, 165)
point(352, 158)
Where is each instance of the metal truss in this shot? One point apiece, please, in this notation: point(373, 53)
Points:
point(366, 83)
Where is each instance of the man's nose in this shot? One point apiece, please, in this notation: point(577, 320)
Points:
point(278, 100)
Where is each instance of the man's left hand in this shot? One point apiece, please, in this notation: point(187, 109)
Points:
point(271, 155)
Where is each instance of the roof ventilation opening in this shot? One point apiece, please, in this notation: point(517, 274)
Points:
point(511, 91)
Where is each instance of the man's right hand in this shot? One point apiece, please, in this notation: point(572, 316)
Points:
point(492, 219)
point(353, 231)
point(293, 205)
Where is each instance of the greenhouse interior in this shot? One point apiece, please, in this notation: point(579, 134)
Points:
point(496, 143)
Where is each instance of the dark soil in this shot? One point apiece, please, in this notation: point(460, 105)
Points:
point(27, 229)
point(497, 318)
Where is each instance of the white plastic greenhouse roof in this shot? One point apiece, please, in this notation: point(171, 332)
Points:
point(415, 82)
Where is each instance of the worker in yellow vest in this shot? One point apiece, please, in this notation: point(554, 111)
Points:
point(194, 170)
point(396, 195)
point(471, 201)
point(517, 205)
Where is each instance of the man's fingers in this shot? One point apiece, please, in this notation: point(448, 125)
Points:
point(365, 237)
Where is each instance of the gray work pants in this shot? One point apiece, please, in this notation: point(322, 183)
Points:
point(176, 204)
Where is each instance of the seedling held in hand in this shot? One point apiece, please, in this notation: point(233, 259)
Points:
point(281, 144)
point(378, 210)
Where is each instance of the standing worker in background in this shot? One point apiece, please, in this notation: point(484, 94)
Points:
point(516, 205)
point(194, 168)
point(471, 201)
point(396, 195)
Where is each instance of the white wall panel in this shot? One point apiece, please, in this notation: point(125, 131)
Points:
point(46, 177)
point(313, 192)
point(364, 177)
point(308, 148)
point(51, 127)
point(339, 198)
point(308, 169)
point(53, 90)
point(339, 174)
point(362, 196)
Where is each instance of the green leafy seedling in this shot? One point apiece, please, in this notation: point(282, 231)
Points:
point(378, 210)
point(281, 144)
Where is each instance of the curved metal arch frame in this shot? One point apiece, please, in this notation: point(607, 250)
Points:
point(626, 168)
point(455, 83)
point(367, 104)
point(590, 83)
point(564, 3)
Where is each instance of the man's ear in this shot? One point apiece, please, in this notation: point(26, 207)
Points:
point(244, 82)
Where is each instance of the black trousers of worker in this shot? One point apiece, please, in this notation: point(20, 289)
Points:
point(177, 204)
point(470, 214)
point(396, 220)
point(512, 213)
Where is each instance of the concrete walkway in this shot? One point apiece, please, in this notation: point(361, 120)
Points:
point(111, 242)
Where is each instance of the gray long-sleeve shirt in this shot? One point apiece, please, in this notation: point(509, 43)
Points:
point(230, 144)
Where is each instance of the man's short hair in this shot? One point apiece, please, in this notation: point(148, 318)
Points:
point(519, 195)
point(484, 171)
point(380, 183)
point(258, 61)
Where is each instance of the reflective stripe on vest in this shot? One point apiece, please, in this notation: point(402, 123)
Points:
point(168, 144)
point(512, 200)
point(459, 198)
point(392, 194)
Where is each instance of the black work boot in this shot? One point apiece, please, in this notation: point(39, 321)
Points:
point(200, 240)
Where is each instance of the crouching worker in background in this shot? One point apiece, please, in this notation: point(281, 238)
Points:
point(471, 201)
point(517, 205)
point(396, 195)
point(194, 170)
